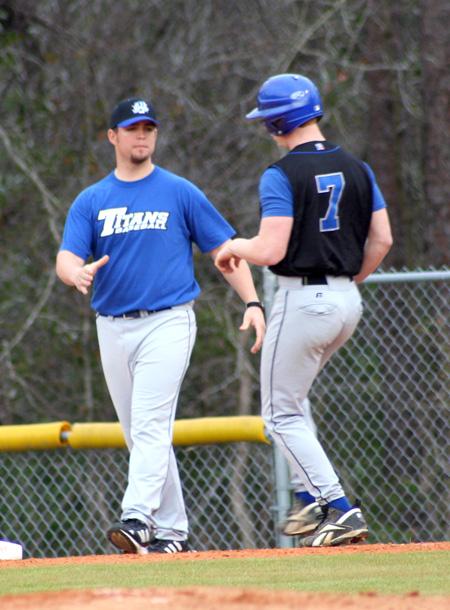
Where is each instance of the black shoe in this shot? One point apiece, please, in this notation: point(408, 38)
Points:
point(339, 527)
point(130, 536)
point(169, 546)
point(302, 520)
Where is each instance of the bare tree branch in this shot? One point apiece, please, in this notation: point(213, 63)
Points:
point(8, 346)
point(49, 201)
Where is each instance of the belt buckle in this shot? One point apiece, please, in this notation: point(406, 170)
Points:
point(131, 315)
point(314, 280)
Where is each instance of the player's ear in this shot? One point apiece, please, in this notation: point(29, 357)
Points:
point(112, 136)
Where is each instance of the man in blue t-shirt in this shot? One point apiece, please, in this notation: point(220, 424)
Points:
point(324, 228)
point(138, 225)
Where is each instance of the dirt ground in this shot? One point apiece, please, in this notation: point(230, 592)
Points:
point(212, 598)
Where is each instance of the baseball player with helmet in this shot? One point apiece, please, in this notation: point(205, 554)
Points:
point(138, 224)
point(324, 228)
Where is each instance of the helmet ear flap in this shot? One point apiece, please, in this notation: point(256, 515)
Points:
point(275, 126)
point(282, 125)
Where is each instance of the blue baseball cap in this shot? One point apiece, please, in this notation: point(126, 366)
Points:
point(132, 110)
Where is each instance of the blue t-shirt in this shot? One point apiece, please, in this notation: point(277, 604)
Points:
point(275, 193)
point(147, 227)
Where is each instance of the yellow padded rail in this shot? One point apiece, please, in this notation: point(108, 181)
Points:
point(96, 435)
point(31, 437)
point(215, 430)
point(198, 431)
point(103, 435)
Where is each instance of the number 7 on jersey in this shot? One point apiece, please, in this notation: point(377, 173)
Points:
point(334, 185)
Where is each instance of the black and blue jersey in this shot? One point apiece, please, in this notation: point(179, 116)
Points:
point(331, 195)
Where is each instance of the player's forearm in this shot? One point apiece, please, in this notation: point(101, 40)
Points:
point(257, 250)
point(242, 281)
point(67, 267)
point(374, 254)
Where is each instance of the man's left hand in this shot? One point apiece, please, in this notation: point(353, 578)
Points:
point(254, 316)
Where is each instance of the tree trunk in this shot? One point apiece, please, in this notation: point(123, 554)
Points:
point(384, 145)
point(436, 154)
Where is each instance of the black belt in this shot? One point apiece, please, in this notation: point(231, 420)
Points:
point(314, 280)
point(136, 313)
point(318, 280)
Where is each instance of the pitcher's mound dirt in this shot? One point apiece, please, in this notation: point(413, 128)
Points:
point(212, 598)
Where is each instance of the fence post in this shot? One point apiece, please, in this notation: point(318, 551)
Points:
point(283, 497)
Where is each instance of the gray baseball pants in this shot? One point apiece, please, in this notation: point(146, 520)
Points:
point(144, 362)
point(307, 325)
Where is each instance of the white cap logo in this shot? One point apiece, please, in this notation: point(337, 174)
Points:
point(140, 108)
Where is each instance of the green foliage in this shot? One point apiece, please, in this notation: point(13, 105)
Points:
point(57, 87)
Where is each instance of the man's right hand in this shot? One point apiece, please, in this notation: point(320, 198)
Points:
point(84, 276)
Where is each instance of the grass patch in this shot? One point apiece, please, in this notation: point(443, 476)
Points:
point(384, 573)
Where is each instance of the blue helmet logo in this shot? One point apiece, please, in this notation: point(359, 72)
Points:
point(285, 102)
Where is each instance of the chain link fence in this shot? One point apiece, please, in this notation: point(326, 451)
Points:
point(61, 502)
point(381, 407)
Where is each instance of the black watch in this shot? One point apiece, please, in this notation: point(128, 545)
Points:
point(256, 304)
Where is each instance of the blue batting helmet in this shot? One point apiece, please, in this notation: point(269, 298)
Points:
point(285, 102)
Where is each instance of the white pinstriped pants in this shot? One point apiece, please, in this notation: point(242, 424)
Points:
point(144, 362)
point(307, 325)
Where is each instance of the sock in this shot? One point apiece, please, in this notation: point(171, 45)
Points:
point(304, 497)
point(341, 504)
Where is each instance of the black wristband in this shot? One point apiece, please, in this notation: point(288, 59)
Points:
point(256, 304)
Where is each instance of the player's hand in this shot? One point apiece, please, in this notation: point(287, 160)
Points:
point(254, 316)
point(84, 276)
point(226, 261)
